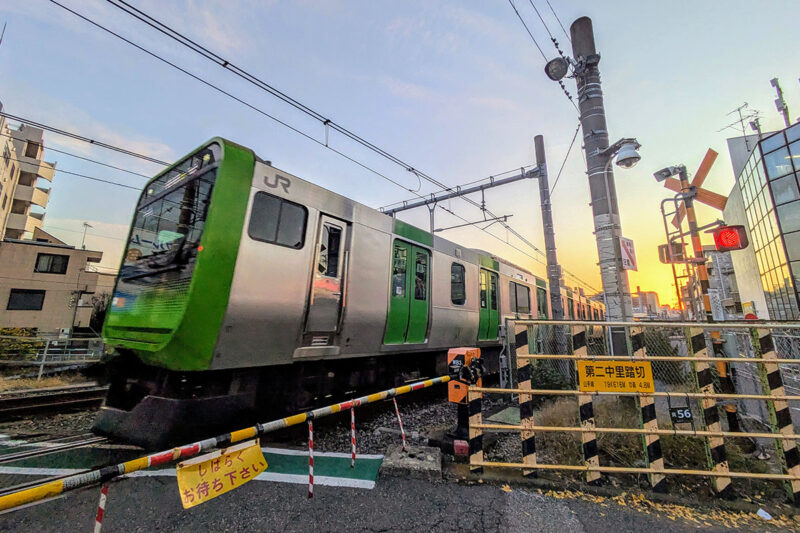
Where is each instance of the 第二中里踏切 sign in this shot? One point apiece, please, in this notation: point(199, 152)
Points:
point(615, 376)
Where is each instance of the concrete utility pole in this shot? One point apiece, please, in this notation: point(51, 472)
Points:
point(601, 178)
point(553, 268)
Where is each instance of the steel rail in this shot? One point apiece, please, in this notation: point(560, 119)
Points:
point(638, 431)
point(545, 392)
point(639, 359)
point(637, 470)
point(11, 457)
point(54, 488)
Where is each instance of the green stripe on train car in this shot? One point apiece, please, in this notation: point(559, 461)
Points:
point(185, 339)
point(488, 262)
point(413, 233)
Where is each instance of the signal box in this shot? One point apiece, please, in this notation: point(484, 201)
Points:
point(456, 359)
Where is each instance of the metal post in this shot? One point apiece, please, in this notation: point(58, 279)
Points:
point(604, 204)
point(702, 273)
point(44, 358)
point(553, 268)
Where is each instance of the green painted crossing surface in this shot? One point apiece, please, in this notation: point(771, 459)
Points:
point(285, 466)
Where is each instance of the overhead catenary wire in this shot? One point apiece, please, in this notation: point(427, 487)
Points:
point(90, 160)
point(566, 33)
point(166, 30)
point(82, 138)
point(566, 156)
point(199, 49)
point(84, 176)
point(527, 29)
point(254, 80)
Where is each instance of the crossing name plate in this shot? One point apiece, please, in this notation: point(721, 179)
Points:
point(206, 477)
point(615, 376)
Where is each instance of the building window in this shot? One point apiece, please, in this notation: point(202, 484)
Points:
point(6, 154)
point(32, 150)
point(51, 264)
point(277, 221)
point(458, 287)
point(25, 300)
point(5, 201)
point(789, 215)
point(784, 189)
point(778, 163)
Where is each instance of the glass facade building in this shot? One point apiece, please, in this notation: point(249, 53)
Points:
point(770, 187)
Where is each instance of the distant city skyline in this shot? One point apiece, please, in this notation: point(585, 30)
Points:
point(454, 88)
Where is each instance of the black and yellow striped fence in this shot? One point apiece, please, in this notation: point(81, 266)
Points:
point(701, 389)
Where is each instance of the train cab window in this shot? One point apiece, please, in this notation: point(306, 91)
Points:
point(458, 286)
point(399, 262)
point(329, 250)
point(278, 221)
point(421, 277)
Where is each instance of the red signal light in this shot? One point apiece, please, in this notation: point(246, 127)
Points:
point(728, 238)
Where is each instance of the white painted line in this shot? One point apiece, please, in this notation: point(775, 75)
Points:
point(284, 451)
point(300, 479)
point(33, 471)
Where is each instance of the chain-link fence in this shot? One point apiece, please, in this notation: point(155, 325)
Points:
point(675, 398)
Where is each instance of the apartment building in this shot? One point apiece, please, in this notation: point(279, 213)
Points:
point(25, 179)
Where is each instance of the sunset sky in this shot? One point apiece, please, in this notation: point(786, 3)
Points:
point(455, 88)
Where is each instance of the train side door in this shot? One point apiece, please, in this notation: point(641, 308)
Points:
point(328, 282)
point(489, 314)
point(409, 294)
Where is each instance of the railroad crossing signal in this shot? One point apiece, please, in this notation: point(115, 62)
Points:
point(703, 196)
point(727, 238)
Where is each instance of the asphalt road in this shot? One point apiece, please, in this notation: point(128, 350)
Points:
point(152, 504)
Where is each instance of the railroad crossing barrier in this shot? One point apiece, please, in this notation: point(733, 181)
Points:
point(670, 364)
point(103, 475)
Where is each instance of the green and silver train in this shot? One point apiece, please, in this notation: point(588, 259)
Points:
point(245, 291)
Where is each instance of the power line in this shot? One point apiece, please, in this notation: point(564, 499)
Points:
point(88, 234)
point(560, 83)
point(101, 180)
point(199, 49)
point(85, 158)
point(546, 27)
point(528, 30)
point(564, 162)
point(559, 21)
point(226, 93)
point(82, 138)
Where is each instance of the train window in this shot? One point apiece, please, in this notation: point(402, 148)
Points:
point(458, 286)
point(541, 302)
point(329, 251)
point(520, 298)
point(399, 271)
point(523, 299)
point(493, 296)
point(421, 277)
point(278, 221)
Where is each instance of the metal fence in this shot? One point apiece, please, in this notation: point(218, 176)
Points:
point(44, 351)
point(719, 402)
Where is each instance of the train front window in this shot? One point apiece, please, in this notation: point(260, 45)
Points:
point(169, 221)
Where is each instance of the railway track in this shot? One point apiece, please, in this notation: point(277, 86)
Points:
point(56, 399)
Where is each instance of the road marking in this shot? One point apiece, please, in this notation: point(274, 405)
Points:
point(285, 451)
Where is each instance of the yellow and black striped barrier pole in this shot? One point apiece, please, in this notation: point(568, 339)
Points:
point(54, 488)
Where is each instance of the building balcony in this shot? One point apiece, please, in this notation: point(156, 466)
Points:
point(34, 166)
point(25, 223)
point(34, 195)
